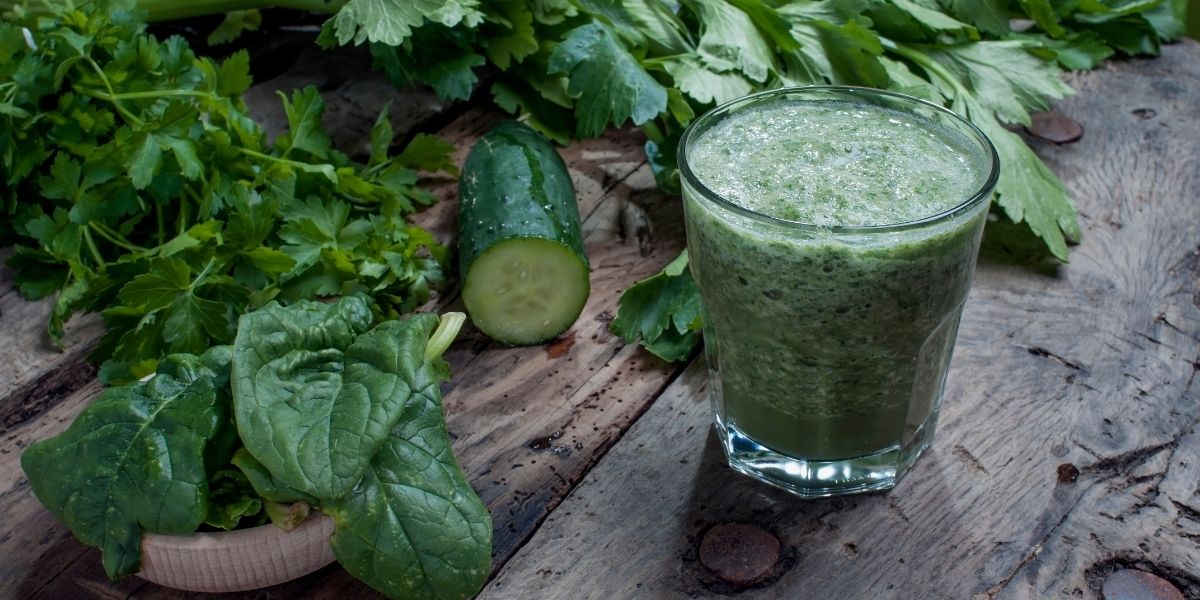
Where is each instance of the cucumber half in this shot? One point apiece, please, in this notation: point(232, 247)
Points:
point(525, 290)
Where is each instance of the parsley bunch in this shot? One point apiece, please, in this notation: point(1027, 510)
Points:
point(134, 184)
point(571, 68)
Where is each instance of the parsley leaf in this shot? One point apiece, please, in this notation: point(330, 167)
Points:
point(144, 192)
point(608, 83)
point(1023, 178)
point(730, 40)
point(392, 21)
point(704, 85)
point(662, 311)
point(304, 111)
point(519, 42)
point(1003, 77)
point(233, 25)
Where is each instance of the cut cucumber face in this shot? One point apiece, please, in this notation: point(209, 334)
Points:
point(520, 247)
point(525, 290)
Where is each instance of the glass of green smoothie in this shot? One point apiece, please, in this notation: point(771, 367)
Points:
point(832, 232)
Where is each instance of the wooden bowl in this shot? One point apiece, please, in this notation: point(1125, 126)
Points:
point(235, 561)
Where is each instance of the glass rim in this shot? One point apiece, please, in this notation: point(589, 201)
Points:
point(689, 177)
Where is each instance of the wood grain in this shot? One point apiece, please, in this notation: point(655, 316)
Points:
point(1067, 448)
point(36, 373)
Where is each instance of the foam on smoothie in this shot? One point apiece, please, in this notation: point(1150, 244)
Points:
point(837, 163)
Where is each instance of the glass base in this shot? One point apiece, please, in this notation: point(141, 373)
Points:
point(822, 478)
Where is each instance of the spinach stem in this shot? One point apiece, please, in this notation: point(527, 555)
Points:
point(445, 333)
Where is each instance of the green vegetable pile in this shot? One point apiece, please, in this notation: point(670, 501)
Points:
point(312, 407)
point(137, 185)
point(134, 184)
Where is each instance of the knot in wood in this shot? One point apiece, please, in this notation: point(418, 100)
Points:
point(1055, 127)
point(739, 553)
point(1132, 584)
point(1067, 473)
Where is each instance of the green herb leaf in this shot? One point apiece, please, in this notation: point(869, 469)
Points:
point(731, 41)
point(519, 42)
point(909, 20)
point(663, 312)
point(1076, 52)
point(989, 16)
point(235, 23)
point(1027, 191)
point(304, 111)
point(428, 153)
point(392, 21)
point(664, 31)
point(703, 85)
point(1003, 77)
point(234, 76)
point(608, 83)
point(542, 115)
point(1043, 14)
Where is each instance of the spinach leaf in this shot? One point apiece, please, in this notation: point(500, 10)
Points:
point(316, 393)
point(350, 418)
point(230, 498)
point(413, 528)
point(132, 461)
point(264, 482)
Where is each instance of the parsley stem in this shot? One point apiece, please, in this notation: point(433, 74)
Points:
point(159, 94)
point(91, 245)
point(183, 218)
point(203, 273)
point(158, 213)
point(257, 154)
point(662, 59)
point(923, 60)
point(445, 333)
point(114, 237)
point(125, 114)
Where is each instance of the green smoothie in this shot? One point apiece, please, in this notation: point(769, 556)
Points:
point(831, 294)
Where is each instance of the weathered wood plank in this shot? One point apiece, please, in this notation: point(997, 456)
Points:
point(527, 422)
point(1068, 444)
point(37, 373)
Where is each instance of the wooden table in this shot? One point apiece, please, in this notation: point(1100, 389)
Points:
point(1067, 450)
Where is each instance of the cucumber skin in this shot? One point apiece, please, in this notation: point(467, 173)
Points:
point(511, 175)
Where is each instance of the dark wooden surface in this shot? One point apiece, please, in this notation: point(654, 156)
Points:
point(1089, 369)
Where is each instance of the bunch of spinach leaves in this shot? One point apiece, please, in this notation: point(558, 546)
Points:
point(313, 406)
point(133, 183)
